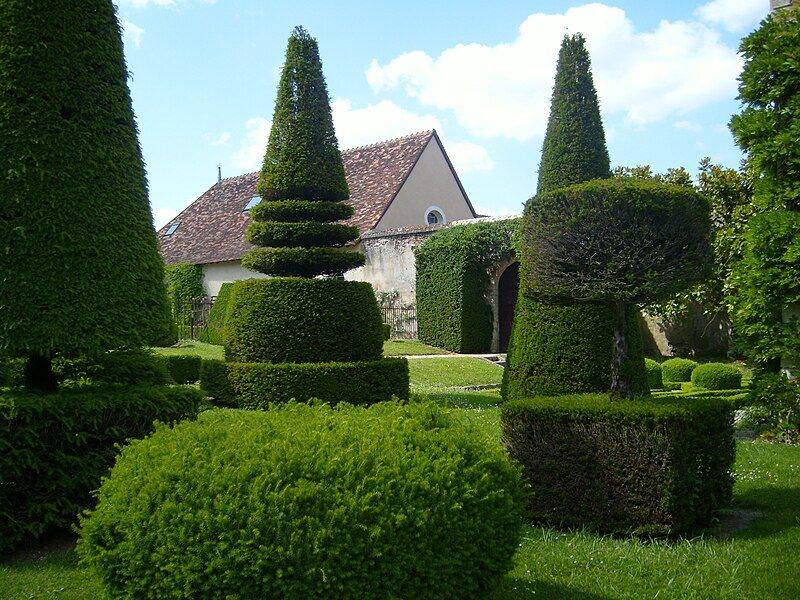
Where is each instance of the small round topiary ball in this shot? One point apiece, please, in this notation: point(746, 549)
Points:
point(678, 369)
point(654, 379)
point(717, 376)
point(392, 501)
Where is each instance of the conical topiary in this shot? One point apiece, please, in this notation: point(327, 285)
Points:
point(291, 322)
point(302, 180)
point(562, 348)
point(79, 265)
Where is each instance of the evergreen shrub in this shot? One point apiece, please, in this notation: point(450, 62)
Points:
point(452, 281)
point(55, 448)
point(303, 320)
point(307, 502)
point(183, 368)
point(302, 262)
point(717, 376)
point(566, 347)
point(654, 378)
point(678, 369)
point(652, 466)
point(387, 332)
point(214, 331)
point(257, 385)
point(129, 367)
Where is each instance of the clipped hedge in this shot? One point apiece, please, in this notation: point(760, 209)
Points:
point(306, 234)
point(656, 466)
point(214, 331)
point(257, 385)
point(392, 501)
point(654, 378)
point(717, 376)
point(387, 331)
point(293, 211)
point(566, 348)
point(55, 448)
point(183, 368)
point(303, 320)
point(452, 280)
point(128, 367)
point(678, 369)
point(184, 282)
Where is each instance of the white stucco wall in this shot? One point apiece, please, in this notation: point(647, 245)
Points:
point(389, 266)
point(430, 183)
point(215, 274)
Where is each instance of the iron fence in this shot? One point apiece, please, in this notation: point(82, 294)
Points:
point(195, 319)
point(403, 321)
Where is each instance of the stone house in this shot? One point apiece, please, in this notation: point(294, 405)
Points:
point(402, 191)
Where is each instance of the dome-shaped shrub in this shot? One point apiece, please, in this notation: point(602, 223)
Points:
point(393, 501)
point(678, 369)
point(654, 378)
point(717, 376)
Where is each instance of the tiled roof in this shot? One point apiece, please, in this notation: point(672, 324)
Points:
point(211, 229)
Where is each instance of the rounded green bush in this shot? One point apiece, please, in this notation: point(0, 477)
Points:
point(301, 210)
point(717, 376)
point(654, 378)
point(393, 501)
point(678, 369)
point(291, 319)
point(302, 262)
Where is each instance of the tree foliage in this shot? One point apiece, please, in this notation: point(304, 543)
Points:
point(615, 240)
point(574, 147)
point(79, 263)
point(768, 128)
point(302, 179)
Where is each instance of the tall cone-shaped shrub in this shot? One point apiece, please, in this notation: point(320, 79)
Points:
point(79, 265)
point(561, 348)
point(294, 317)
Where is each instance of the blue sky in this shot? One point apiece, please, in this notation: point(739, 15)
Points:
point(204, 75)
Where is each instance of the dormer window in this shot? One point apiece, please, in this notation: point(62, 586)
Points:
point(171, 229)
point(254, 201)
point(434, 216)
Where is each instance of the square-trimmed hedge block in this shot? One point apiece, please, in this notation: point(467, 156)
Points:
point(652, 466)
point(257, 385)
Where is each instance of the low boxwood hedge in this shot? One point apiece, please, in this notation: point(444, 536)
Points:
point(678, 369)
point(655, 466)
point(257, 385)
point(55, 448)
point(391, 501)
point(214, 331)
point(183, 368)
point(291, 319)
point(717, 376)
point(654, 378)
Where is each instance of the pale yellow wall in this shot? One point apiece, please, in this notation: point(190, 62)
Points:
point(215, 274)
point(431, 183)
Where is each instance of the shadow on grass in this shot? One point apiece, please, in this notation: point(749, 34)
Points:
point(512, 587)
point(459, 399)
point(777, 510)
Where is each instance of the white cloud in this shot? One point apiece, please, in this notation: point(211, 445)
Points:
point(147, 3)
point(686, 125)
point(223, 139)
point(366, 125)
point(376, 122)
point(131, 33)
point(468, 157)
point(733, 15)
point(250, 154)
point(505, 90)
point(163, 215)
point(502, 211)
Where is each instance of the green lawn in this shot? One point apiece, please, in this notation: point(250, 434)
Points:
point(409, 348)
point(195, 349)
point(752, 553)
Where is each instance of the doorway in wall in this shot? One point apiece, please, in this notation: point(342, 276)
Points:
point(508, 289)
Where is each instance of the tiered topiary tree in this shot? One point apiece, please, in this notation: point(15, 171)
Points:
point(294, 317)
point(564, 347)
point(79, 265)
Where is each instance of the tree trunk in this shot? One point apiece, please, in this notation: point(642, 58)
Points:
point(620, 386)
point(39, 374)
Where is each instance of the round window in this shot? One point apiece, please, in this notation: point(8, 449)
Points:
point(435, 217)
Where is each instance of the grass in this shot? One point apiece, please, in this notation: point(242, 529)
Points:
point(409, 348)
point(193, 348)
point(751, 553)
